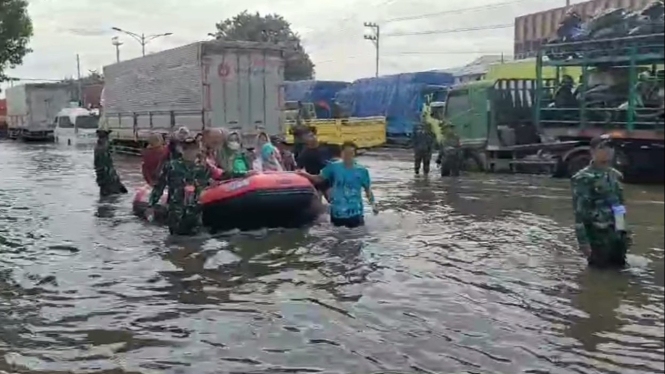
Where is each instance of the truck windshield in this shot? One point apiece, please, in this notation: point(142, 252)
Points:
point(87, 122)
point(458, 107)
point(64, 122)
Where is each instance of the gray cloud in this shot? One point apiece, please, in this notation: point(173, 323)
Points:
point(332, 31)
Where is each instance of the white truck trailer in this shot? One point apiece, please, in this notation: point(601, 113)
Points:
point(32, 108)
point(211, 84)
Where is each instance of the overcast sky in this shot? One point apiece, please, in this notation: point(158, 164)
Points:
point(332, 31)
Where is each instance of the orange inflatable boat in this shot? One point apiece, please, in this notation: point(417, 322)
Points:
point(278, 199)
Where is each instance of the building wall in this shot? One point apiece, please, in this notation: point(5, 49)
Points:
point(532, 30)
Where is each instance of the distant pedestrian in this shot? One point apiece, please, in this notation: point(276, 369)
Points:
point(599, 209)
point(424, 141)
point(450, 153)
point(106, 175)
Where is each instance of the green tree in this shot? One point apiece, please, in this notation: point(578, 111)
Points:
point(271, 28)
point(15, 33)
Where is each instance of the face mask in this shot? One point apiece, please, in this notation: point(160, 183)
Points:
point(234, 146)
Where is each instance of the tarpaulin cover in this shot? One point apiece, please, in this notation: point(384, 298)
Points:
point(314, 92)
point(397, 97)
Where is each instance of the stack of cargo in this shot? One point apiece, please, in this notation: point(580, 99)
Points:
point(321, 93)
point(398, 97)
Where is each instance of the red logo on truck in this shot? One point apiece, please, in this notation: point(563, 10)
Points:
point(223, 69)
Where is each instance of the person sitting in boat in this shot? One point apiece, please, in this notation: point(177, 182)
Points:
point(154, 156)
point(107, 178)
point(210, 143)
point(288, 160)
point(232, 159)
point(347, 179)
point(267, 155)
point(185, 178)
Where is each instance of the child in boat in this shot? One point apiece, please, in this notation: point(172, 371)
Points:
point(288, 160)
point(347, 180)
point(267, 155)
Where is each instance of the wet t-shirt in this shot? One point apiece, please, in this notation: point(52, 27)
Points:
point(347, 186)
point(313, 160)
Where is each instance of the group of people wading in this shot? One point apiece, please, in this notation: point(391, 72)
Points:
point(185, 165)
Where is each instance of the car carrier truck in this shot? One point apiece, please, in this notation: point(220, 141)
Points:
point(522, 125)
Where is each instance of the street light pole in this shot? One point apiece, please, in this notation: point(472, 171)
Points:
point(116, 42)
point(374, 38)
point(142, 39)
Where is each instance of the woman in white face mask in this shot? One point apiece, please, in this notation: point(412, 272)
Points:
point(232, 159)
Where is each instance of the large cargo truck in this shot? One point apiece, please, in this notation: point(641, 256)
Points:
point(31, 109)
point(236, 85)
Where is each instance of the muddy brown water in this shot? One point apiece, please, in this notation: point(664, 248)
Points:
point(475, 275)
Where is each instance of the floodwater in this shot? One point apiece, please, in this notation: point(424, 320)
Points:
point(476, 275)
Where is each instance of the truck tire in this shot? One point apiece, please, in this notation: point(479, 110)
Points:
point(576, 162)
point(473, 161)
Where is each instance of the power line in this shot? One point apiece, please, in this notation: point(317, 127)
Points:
point(420, 53)
point(450, 31)
point(456, 11)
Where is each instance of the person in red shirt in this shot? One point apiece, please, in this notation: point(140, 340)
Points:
point(154, 155)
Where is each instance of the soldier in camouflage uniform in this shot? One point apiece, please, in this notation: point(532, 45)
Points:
point(185, 177)
point(450, 155)
point(107, 178)
point(599, 209)
point(424, 141)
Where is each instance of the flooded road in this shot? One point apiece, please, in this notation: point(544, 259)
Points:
point(477, 275)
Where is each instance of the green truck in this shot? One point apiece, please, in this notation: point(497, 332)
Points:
point(546, 124)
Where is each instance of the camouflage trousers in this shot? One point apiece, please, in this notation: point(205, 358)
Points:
point(608, 247)
point(111, 185)
point(424, 158)
point(184, 220)
point(450, 160)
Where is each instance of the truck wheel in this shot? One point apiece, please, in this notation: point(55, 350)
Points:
point(473, 161)
point(577, 162)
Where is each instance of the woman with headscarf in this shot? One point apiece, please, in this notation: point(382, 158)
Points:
point(267, 155)
point(232, 159)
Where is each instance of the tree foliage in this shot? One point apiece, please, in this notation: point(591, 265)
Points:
point(271, 28)
point(15, 33)
point(93, 77)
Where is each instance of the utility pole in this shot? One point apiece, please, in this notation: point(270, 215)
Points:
point(567, 3)
point(116, 42)
point(78, 73)
point(374, 37)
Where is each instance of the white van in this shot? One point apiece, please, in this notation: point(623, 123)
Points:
point(76, 126)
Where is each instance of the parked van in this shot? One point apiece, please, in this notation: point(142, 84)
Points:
point(76, 126)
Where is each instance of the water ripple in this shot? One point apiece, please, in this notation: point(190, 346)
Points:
point(476, 275)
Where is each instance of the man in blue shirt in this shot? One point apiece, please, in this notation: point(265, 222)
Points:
point(347, 180)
